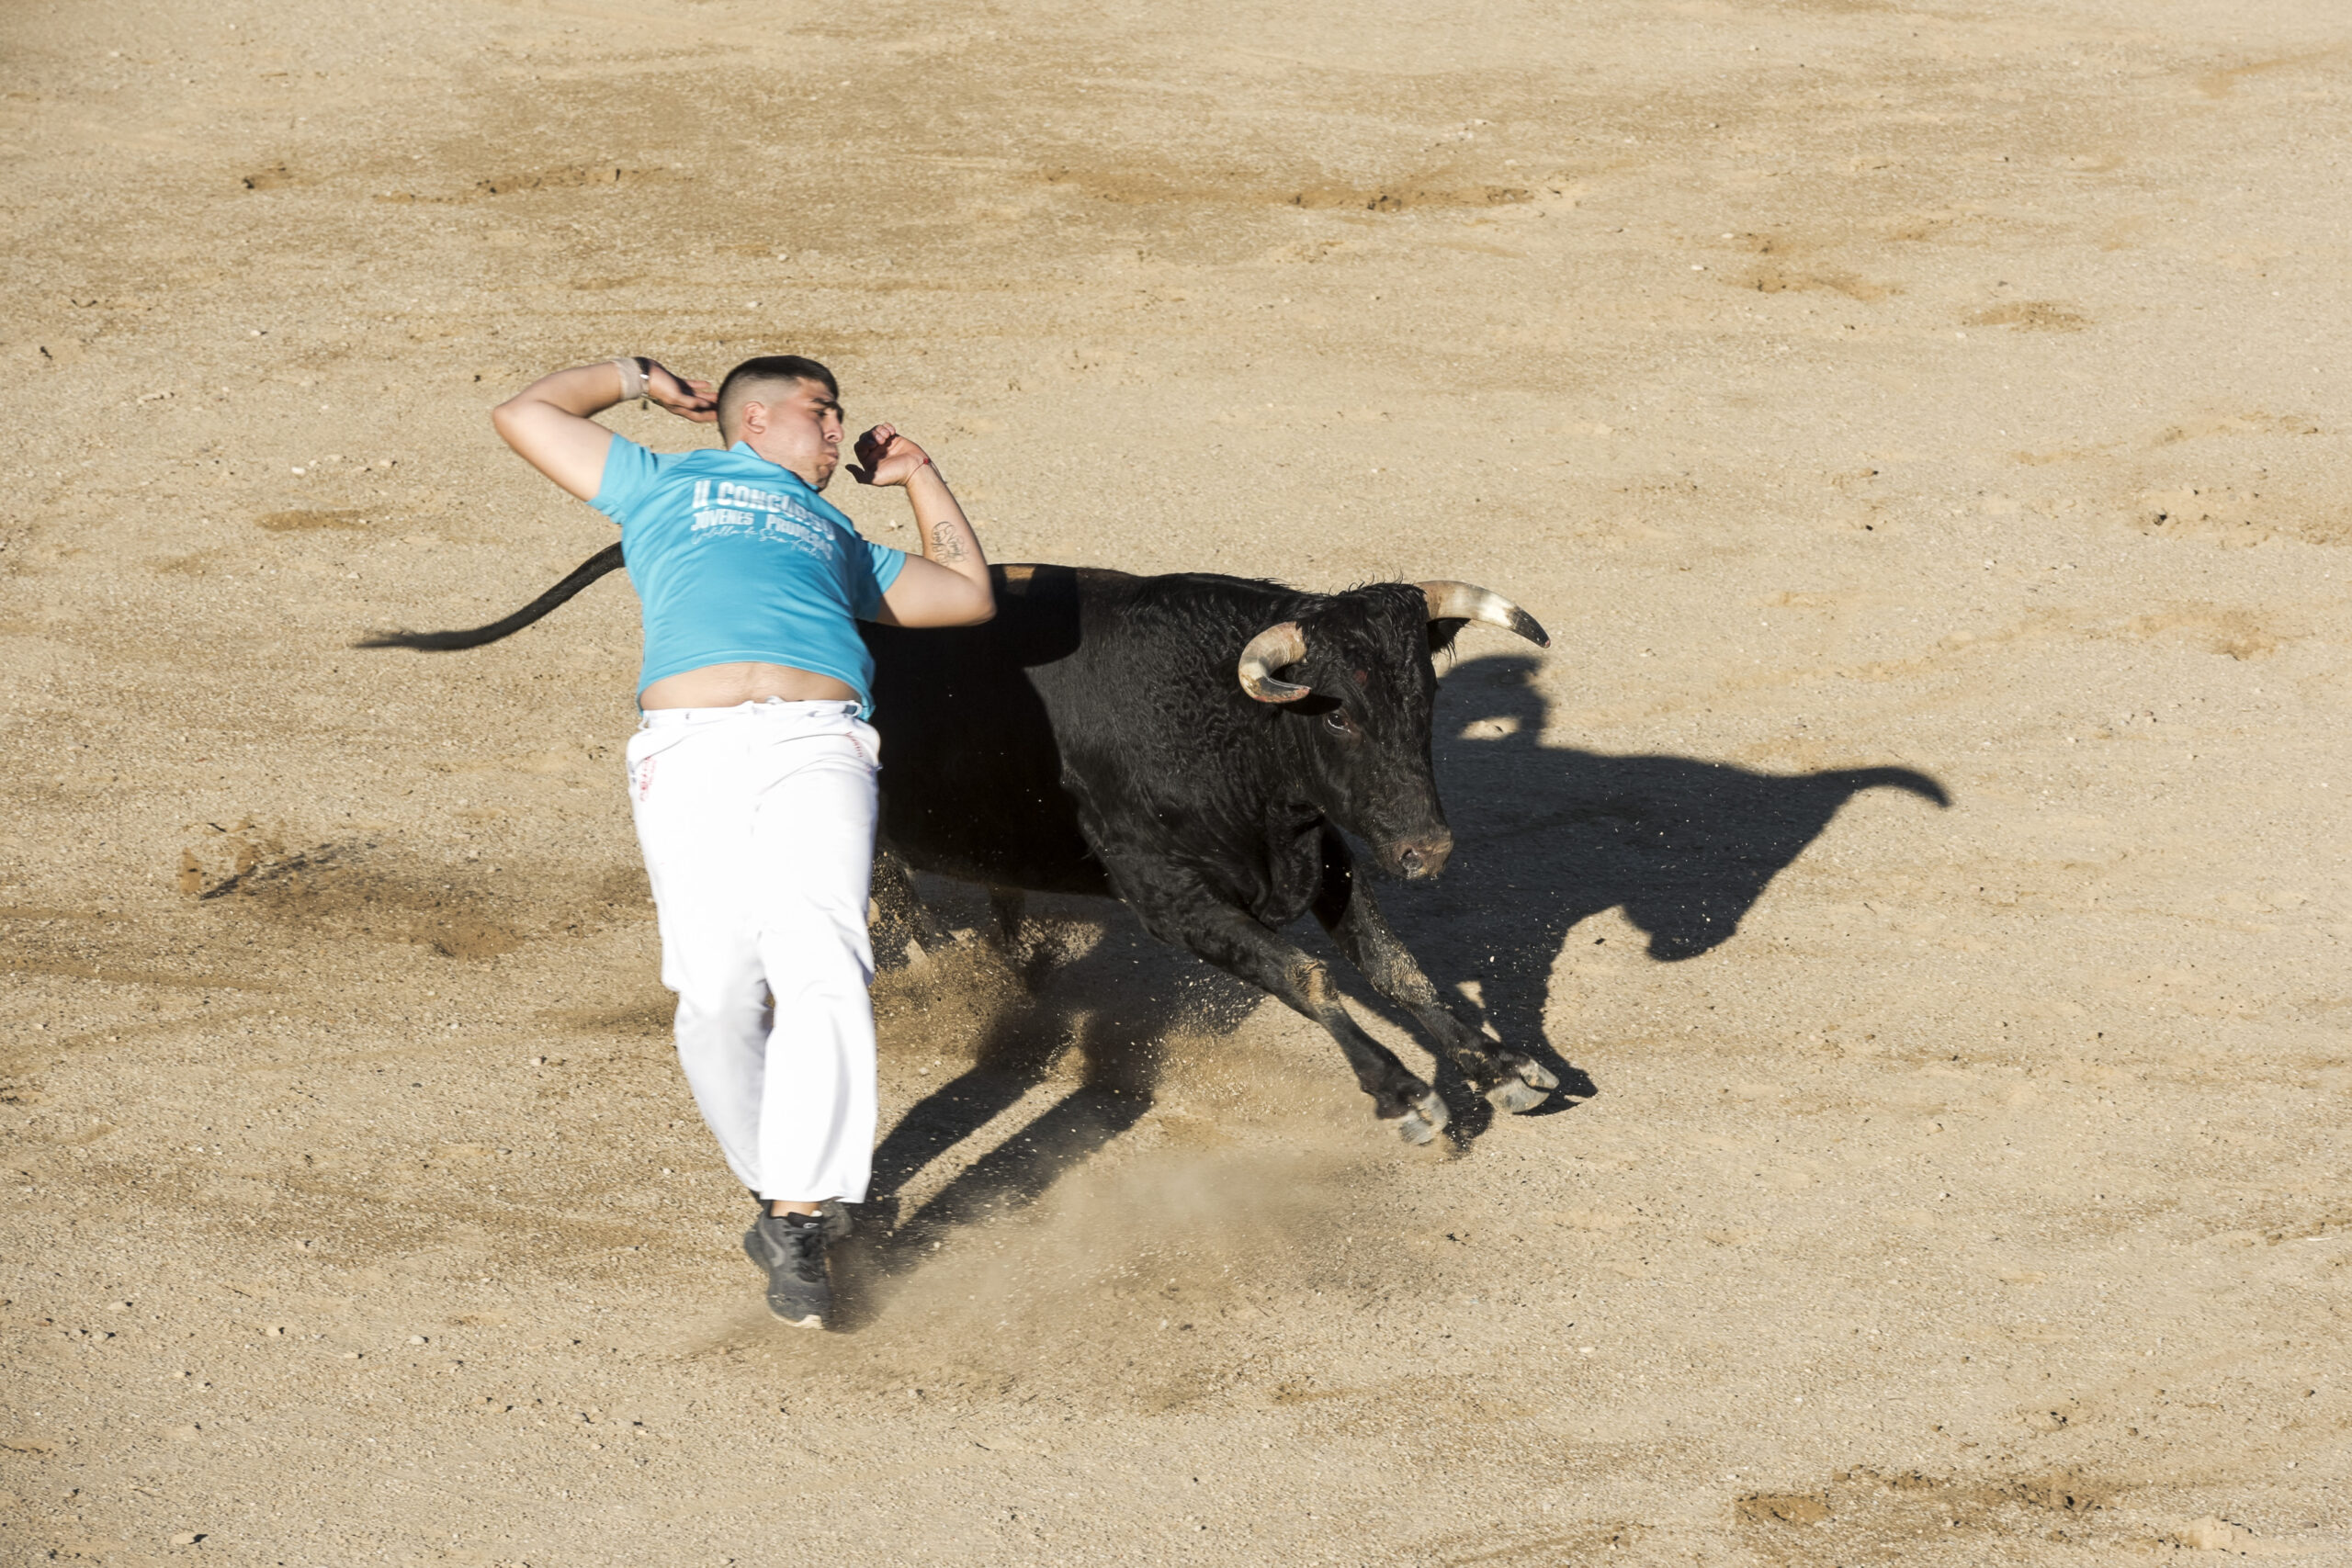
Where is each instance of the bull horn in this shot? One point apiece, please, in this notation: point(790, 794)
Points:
point(1267, 652)
point(1468, 602)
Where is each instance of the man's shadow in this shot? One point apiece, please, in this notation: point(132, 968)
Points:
point(1545, 837)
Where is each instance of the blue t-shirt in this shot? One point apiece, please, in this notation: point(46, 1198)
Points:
point(738, 560)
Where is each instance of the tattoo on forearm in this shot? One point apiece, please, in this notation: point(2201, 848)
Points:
point(946, 544)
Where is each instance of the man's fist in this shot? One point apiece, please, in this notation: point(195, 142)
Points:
point(697, 401)
point(886, 458)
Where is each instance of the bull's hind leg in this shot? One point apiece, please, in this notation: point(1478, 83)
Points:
point(1189, 916)
point(1510, 1081)
point(1009, 905)
point(898, 907)
point(1029, 960)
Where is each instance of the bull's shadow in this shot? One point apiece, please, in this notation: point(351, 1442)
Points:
point(1547, 836)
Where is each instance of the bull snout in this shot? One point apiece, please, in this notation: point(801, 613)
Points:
point(1419, 858)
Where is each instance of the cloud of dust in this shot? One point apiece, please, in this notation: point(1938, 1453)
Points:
point(1101, 1181)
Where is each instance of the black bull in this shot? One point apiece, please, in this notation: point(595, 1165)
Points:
point(1134, 737)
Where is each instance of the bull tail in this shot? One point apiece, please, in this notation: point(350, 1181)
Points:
point(587, 572)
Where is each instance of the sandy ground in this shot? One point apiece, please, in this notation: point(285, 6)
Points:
point(1920, 426)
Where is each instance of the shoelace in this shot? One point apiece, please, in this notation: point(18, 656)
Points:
point(804, 1247)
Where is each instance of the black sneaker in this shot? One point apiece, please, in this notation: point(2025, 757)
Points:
point(791, 1248)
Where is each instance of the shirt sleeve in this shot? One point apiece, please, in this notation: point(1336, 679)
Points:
point(881, 568)
point(629, 471)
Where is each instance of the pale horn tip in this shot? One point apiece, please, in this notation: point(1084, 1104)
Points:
point(1468, 602)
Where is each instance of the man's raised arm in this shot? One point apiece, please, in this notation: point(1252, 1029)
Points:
point(549, 423)
point(949, 585)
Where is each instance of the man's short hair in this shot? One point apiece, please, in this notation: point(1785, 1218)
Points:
point(747, 380)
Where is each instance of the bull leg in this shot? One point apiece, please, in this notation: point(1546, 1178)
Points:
point(1512, 1082)
point(1008, 905)
point(896, 901)
point(1226, 937)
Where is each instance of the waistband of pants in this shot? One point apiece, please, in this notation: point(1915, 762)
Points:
point(773, 707)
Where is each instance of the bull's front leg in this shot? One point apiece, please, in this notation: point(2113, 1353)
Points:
point(1510, 1081)
point(1178, 909)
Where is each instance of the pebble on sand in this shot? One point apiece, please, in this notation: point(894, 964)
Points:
point(187, 1538)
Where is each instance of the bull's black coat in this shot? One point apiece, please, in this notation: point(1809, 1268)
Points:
point(1094, 739)
point(1098, 718)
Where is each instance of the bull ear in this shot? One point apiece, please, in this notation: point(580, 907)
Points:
point(1278, 645)
point(1443, 633)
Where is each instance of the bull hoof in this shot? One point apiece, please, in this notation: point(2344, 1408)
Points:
point(1529, 1072)
point(1424, 1120)
point(1513, 1097)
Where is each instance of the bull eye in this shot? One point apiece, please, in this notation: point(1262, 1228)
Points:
point(1339, 723)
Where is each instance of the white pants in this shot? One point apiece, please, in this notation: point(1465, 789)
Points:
point(758, 829)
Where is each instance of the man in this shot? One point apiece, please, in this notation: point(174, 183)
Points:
point(751, 776)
